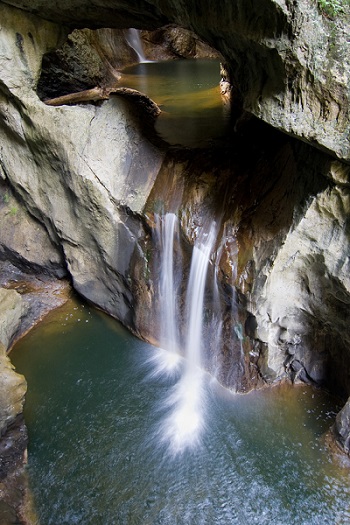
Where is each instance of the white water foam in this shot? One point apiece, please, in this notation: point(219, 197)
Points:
point(164, 363)
point(182, 428)
point(166, 360)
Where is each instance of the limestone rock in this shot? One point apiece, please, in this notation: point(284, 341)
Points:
point(12, 391)
point(306, 294)
point(12, 385)
point(98, 13)
point(24, 240)
point(84, 172)
point(11, 312)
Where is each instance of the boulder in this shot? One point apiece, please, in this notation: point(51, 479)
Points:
point(12, 392)
point(341, 427)
point(171, 42)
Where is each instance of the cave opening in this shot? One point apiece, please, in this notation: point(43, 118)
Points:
point(171, 66)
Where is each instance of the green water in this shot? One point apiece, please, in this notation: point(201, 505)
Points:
point(188, 94)
point(94, 409)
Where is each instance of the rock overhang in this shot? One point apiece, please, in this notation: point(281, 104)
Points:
point(289, 62)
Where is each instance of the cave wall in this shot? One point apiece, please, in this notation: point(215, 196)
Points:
point(86, 59)
point(289, 63)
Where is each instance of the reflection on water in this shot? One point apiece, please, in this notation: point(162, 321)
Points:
point(94, 409)
point(188, 94)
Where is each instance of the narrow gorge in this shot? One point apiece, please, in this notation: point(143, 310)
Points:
point(95, 197)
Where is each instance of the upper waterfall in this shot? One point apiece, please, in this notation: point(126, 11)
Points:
point(134, 40)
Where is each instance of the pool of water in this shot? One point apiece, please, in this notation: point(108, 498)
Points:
point(188, 94)
point(95, 412)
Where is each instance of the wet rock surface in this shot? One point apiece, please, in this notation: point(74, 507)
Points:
point(13, 435)
point(342, 427)
point(14, 492)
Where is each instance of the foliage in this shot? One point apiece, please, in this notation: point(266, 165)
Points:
point(333, 8)
point(6, 198)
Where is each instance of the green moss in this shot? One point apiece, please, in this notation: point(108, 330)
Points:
point(333, 8)
point(147, 257)
point(6, 198)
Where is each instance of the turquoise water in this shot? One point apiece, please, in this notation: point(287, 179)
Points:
point(188, 94)
point(94, 412)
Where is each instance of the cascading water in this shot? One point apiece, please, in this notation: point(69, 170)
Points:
point(134, 40)
point(167, 360)
point(167, 283)
point(195, 294)
point(182, 427)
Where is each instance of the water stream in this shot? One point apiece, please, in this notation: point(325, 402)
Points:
point(134, 40)
point(94, 412)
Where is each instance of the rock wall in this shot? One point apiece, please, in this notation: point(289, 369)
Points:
point(302, 307)
point(12, 385)
point(83, 172)
point(86, 59)
point(13, 435)
point(172, 42)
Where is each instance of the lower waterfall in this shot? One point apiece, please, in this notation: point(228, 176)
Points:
point(185, 404)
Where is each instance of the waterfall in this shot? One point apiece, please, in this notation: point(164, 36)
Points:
point(182, 427)
point(167, 360)
point(134, 40)
point(195, 295)
point(167, 283)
